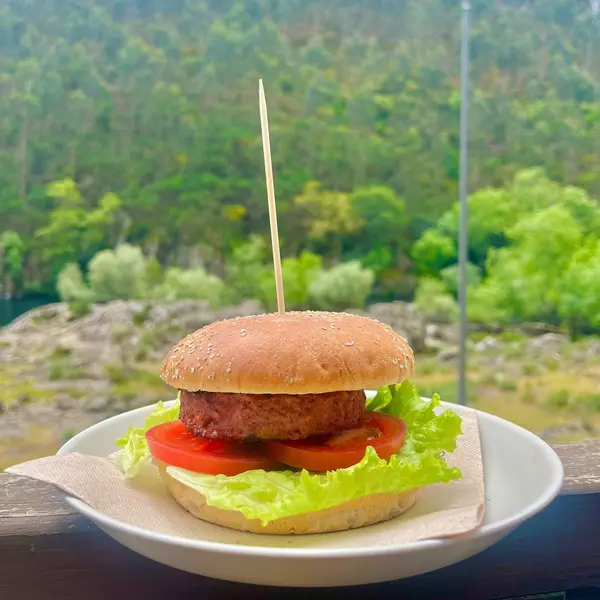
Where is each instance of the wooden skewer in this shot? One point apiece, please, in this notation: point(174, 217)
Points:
point(264, 125)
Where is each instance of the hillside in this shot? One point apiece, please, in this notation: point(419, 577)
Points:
point(59, 374)
point(151, 108)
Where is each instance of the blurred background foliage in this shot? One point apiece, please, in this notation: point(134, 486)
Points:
point(131, 161)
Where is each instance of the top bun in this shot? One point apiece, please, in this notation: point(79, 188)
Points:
point(291, 353)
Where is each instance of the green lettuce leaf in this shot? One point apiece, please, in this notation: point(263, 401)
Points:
point(275, 494)
point(134, 448)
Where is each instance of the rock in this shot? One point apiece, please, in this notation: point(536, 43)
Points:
point(549, 343)
point(559, 431)
point(449, 334)
point(67, 343)
point(12, 428)
point(485, 327)
point(487, 343)
point(448, 355)
point(50, 314)
point(439, 336)
point(190, 315)
point(42, 413)
point(405, 319)
point(99, 404)
point(535, 329)
point(157, 315)
point(22, 399)
point(591, 349)
point(94, 356)
point(65, 402)
point(99, 324)
point(245, 309)
point(118, 406)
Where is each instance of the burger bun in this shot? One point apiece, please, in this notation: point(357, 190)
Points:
point(302, 352)
point(351, 514)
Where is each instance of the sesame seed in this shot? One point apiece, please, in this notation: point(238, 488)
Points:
point(242, 332)
point(350, 343)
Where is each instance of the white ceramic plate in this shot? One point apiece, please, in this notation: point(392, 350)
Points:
point(522, 475)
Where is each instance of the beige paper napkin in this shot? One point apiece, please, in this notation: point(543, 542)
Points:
point(444, 510)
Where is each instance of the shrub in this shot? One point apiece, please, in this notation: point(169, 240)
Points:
point(382, 212)
point(530, 368)
point(450, 277)
point(153, 274)
point(432, 252)
point(191, 284)
point(298, 275)
point(118, 274)
point(508, 385)
point(79, 308)
point(435, 302)
point(116, 373)
point(346, 285)
point(579, 290)
point(119, 333)
point(139, 317)
point(248, 273)
point(485, 303)
point(527, 396)
point(587, 403)
point(557, 399)
point(71, 287)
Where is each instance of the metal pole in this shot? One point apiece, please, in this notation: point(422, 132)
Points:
point(463, 223)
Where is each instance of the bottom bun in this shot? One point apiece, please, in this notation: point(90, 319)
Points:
point(351, 514)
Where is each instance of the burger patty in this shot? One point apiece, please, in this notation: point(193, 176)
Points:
point(255, 417)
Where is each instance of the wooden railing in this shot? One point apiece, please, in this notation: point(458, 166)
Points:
point(48, 551)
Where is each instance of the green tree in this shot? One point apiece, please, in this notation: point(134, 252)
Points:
point(346, 285)
point(156, 102)
point(118, 274)
point(524, 277)
point(191, 284)
point(74, 231)
point(12, 254)
point(383, 214)
point(328, 216)
point(248, 273)
point(578, 290)
point(71, 286)
point(435, 302)
point(433, 251)
point(298, 275)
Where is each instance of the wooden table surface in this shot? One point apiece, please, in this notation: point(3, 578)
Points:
point(48, 551)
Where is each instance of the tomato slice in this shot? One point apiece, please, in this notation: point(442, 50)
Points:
point(384, 433)
point(172, 444)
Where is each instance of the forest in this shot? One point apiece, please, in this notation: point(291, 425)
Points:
point(131, 159)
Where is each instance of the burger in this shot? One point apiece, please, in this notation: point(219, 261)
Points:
point(273, 430)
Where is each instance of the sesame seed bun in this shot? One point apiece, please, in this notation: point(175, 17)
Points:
point(291, 353)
